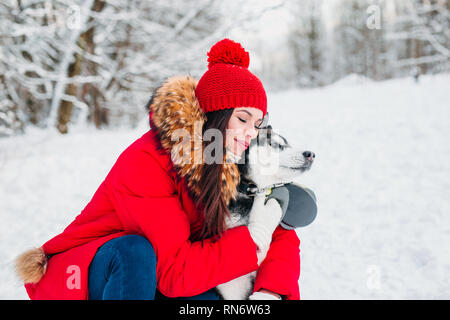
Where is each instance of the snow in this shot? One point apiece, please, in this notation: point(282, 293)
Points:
point(352, 79)
point(381, 177)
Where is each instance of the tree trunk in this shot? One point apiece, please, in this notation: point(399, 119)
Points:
point(66, 107)
point(91, 95)
point(65, 67)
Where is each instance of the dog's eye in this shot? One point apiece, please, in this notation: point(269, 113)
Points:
point(277, 145)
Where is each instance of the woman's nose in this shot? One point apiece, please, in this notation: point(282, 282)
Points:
point(253, 133)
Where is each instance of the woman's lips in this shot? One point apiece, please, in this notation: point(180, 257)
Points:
point(242, 143)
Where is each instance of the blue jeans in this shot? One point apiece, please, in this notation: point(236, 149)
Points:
point(124, 268)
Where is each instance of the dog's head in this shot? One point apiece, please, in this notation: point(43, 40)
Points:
point(271, 159)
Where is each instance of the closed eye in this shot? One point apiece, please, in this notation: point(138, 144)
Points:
point(245, 121)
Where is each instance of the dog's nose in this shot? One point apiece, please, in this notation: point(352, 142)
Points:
point(309, 155)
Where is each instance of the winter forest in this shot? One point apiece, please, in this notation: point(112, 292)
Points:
point(364, 84)
point(70, 62)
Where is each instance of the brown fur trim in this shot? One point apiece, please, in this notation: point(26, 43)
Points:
point(176, 108)
point(31, 265)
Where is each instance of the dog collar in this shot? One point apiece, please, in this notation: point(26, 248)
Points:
point(268, 190)
point(251, 189)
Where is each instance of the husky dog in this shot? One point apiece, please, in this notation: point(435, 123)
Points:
point(269, 161)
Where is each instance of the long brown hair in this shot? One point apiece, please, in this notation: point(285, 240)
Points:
point(214, 207)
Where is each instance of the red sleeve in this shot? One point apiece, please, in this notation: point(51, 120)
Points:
point(144, 197)
point(280, 270)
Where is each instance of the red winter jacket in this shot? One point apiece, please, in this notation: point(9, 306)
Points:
point(148, 193)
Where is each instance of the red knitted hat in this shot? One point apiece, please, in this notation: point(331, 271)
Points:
point(227, 83)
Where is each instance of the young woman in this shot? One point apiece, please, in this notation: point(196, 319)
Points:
point(155, 228)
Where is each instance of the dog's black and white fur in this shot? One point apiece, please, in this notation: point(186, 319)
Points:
point(270, 160)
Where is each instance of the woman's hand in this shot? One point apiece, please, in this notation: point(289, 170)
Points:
point(264, 294)
point(263, 220)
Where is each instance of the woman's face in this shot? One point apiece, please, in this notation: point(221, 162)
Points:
point(241, 128)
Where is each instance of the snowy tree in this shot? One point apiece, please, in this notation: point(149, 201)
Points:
point(93, 58)
point(70, 62)
point(9, 122)
point(37, 49)
point(62, 62)
point(26, 59)
point(421, 32)
point(307, 42)
point(359, 47)
point(126, 47)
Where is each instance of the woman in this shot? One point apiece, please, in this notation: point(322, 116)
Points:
point(155, 227)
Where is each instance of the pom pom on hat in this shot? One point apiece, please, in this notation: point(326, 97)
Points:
point(228, 51)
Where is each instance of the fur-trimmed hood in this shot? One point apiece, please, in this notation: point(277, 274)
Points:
point(174, 112)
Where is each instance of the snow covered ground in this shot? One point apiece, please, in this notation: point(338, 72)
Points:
point(381, 176)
